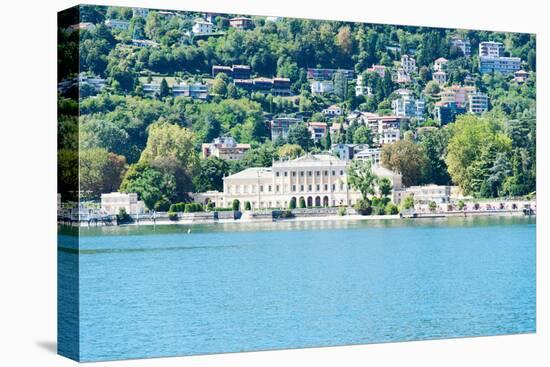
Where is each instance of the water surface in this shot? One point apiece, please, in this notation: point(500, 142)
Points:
point(159, 291)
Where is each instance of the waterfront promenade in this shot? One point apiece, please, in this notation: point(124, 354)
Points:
point(485, 208)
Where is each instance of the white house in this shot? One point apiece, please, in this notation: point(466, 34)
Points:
point(463, 45)
point(372, 154)
point(440, 77)
point(491, 49)
point(360, 88)
point(408, 106)
point(408, 64)
point(333, 110)
point(402, 76)
point(440, 64)
point(321, 87)
point(202, 26)
point(478, 103)
point(226, 148)
point(112, 203)
point(423, 195)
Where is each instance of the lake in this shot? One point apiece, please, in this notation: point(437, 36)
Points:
point(159, 291)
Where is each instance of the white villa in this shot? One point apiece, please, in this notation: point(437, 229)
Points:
point(319, 179)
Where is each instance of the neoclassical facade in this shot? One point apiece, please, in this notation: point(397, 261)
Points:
point(319, 179)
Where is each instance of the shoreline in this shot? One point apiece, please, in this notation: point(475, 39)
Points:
point(310, 218)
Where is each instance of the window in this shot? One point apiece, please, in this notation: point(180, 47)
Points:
point(309, 188)
point(301, 173)
point(326, 173)
point(341, 172)
point(333, 187)
point(293, 187)
point(293, 174)
point(326, 187)
point(269, 188)
point(261, 188)
point(277, 188)
point(318, 173)
point(309, 173)
point(318, 187)
point(301, 187)
point(277, 174)
point(286, 173)
point(334, 173)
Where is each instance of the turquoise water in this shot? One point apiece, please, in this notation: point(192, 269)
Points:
point(148, 292)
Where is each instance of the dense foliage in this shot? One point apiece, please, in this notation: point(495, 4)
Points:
point(151, 145)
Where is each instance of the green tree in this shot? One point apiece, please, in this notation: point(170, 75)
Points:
point(408, 203)
point(472, 150)
point(164, 89)
point(362, 135)
point(210, 175)
point(361, 177)
point(290, 151)
point(406, 158)
point(384, 188)
point(327, 141)
point(169, 140)
point(236, 205)
point(299, 134)
point(182, 178)
point(302, 202)
point(432, 88)
point(157, 190)
point(434, 144)
point(220, 84)
point(340, 85)
point(100, 171)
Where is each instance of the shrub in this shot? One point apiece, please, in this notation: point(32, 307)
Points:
point(172, 215)
point(220, 209)
point(378, 209)
point(247, 205)
point(177, 208)
point(236, 205)
point(302, 203)
point(193, 208)
point(476, 206)
point(162, 205)
point(432, 206)
point(391, 209)
point(460, 204)
point(363, 207)
point(122, 216)
point(292, 204)
point(408, 203)
point(342, 211)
